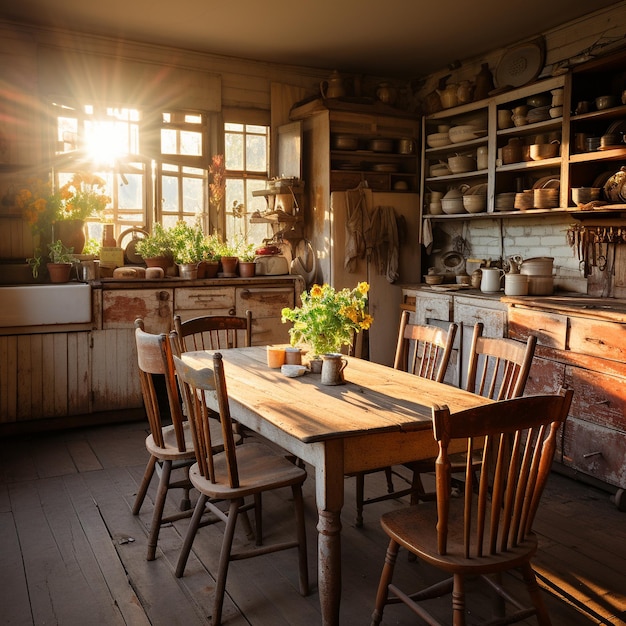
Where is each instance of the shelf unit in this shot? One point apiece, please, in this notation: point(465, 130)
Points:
point(573, 167)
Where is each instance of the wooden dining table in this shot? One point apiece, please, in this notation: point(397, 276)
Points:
point(379, 417)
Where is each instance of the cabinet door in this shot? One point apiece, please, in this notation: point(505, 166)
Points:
point(549, 328)
point(120, 309)
point(266, 304)
point(598, 338)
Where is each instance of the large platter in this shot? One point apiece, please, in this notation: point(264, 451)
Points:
point(520, 65)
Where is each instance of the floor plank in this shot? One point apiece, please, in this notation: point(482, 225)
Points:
point(71, 552)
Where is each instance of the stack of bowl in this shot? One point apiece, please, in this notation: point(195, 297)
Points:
point(505, 201)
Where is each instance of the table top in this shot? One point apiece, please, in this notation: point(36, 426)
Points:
point(374, 398)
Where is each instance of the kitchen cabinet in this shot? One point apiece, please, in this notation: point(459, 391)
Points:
point(545, 183)
point(588, 355)
point(351, 144)
point(69, 376)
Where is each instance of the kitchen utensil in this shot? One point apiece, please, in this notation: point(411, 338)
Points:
point(439, 169)
point(406, 145)
point(520, 120)
point(605, 102)
point(465, 132)
point(615, 187)
point(386, 93)
point(448, 96)
point(491, 279)
point(333, 87)
point(582, 107)
point(512, 152)
point(556, 111)
point(539, 100)
point(460, 164)
point(540, 151)
point(520, 65)
point(433, 279)
point(344, 142)
point(381, 145)
point(475, 203)
point(516, 284)
point(540, 285)
point(438, 140)
point(482, 158)
point(505, 118)
point(537, 266)
point(583, 195)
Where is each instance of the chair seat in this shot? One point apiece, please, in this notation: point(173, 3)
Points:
point(259, 469)
point(415, 528)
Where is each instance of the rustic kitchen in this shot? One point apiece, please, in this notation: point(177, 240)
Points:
point(489, 189)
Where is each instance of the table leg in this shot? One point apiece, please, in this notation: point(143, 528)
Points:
point(329, 495)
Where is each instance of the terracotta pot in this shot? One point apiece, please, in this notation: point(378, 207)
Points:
point(229, 266)
point(159, 261)
point(188, 271)
point(247, 269)
point(59, 272)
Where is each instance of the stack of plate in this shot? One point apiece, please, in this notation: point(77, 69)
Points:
point(538, 114)
point(545, 198)
point(505, 201)
point(524, 200)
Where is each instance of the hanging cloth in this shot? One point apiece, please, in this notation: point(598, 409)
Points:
point(383, 241)
point(356, 224)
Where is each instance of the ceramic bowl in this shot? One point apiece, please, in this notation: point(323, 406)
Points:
point(556, 111)
point(452, 206)
point(605, 102)
point(438, 140)
point(460, 164)
point(583, 195)
point(433, 279)
point(520, 120)
point(475, 203)
point(439, 169)
point(465, 132)
point(539, 151)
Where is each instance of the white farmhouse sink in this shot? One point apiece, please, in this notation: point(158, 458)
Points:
point(38, 305)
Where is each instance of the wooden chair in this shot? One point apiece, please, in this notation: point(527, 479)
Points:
point(170, 446)
point(498, 368)
point(213, 332)
point(232, 475)
point(424, 351)
point(489, 532)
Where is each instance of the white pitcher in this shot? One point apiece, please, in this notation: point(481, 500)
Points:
point(491, 279)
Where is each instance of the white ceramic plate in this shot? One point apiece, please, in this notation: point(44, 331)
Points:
point(520, 65)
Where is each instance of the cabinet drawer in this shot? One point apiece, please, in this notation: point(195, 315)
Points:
point(595, 450)
point(120, 309)
point(494, 320)
point(598, 397)
point(598, 338)
point(550, 329)
point(264, 301)
point(211, 301)
point(435, 307)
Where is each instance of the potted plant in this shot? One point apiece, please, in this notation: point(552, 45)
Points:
point(229, 256)
point(209, 265)
point(328, 319)
point(156, 248)
point(247, 265)
point(61, 261)
point(187, 248)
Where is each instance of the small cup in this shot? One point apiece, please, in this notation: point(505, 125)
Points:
point(275, 356)
point(293, 356)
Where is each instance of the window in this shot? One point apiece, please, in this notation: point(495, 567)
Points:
point(246, 158)
point(150, 176)
point(182, 174)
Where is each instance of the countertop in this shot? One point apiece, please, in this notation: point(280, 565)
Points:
point(609, 309)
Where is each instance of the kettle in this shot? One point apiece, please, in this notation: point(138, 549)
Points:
point(333, 87)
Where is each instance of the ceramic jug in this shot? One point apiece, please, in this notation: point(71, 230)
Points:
point(465, 92)
point(333, 365)
point(491, 279)
point(333, 87)
point(449, 96)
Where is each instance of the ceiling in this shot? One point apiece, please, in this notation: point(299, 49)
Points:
point(408, 38)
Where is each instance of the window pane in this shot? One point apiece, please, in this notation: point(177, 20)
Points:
point(256, 153)
point(169, 200)
point(190, 143)
point(193, 196)
point(233, 154)
point(168, 141)
point(131, 193)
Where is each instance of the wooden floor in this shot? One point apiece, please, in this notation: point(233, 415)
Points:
point(71, 552)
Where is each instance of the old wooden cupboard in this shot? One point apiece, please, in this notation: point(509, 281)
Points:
point(67, 373)
point(579, 344)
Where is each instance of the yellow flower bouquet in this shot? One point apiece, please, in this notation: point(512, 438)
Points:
point(327, 318)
